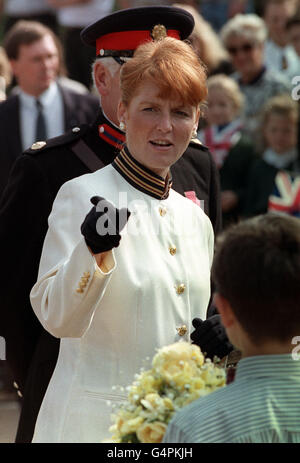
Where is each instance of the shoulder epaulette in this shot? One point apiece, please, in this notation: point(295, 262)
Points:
point(195, 142)
point(68, 137)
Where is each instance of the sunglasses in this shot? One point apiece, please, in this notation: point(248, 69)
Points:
point(246, 48)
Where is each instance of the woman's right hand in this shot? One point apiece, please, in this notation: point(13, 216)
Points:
point(102, 226)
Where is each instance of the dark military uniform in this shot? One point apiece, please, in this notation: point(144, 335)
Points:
point(77, 109)
point(27, 202)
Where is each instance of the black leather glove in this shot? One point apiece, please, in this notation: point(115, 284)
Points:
point(211, 337)
point(105, 235)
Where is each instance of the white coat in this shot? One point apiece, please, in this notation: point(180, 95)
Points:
point(157, 280)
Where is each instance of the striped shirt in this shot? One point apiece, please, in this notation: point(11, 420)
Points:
point(261, 405)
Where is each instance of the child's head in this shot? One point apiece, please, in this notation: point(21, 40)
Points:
point(256, 269)
point(279, 123)
point(225, 100)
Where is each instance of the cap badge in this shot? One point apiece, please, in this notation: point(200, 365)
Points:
point(159, 32)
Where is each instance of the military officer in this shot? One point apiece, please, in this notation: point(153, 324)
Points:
point(40, 172)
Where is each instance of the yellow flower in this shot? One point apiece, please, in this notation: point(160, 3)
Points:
point(178, 376)
point(168, 404)
point(197, 383)
point(119, 423)
point(213, 376)
point(131, 426)
point(150, 433)
point(177, 352)
point(178, 362)
point(145, 384)
point(152, 400)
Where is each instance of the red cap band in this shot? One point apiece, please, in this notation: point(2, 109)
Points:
point(127, 40)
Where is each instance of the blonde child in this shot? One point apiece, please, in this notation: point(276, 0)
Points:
point(232, 152)
point(271, 184)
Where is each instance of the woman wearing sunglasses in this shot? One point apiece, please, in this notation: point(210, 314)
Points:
point(244, 37)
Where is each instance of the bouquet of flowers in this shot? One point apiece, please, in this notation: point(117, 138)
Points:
point(179, 375)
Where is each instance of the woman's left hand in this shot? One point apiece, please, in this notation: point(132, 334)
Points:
point(210, 335)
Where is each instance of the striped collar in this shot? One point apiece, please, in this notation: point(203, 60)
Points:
point(140, 177)
point(263, 366)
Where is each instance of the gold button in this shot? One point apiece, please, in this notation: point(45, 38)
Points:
point(86, 275)
point(172, 250)
point(182, 330)
point(19, 393)
point(79, 290)
point(180, 288)
point(162, 211)
point(16, 386)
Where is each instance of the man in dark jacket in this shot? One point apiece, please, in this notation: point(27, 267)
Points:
point(42, 107)
point(40, 172)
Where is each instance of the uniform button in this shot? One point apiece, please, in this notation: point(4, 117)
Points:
point(180, 289)
point(16, 386)
point(162, 211)
point(79, 290)
point(101, 129)
point(38, 145)
point(182, 330)
point(19, 393)
point(172, 250)
point(76, 129)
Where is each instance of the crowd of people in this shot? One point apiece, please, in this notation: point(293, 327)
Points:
point(80, 109)
point(259, 52)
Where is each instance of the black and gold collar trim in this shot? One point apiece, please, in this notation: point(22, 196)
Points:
point(142, 178)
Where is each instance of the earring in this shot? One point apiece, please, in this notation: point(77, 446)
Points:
point(122, 126)
point(194, 134)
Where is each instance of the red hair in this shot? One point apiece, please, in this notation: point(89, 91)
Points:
point(172, 65)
